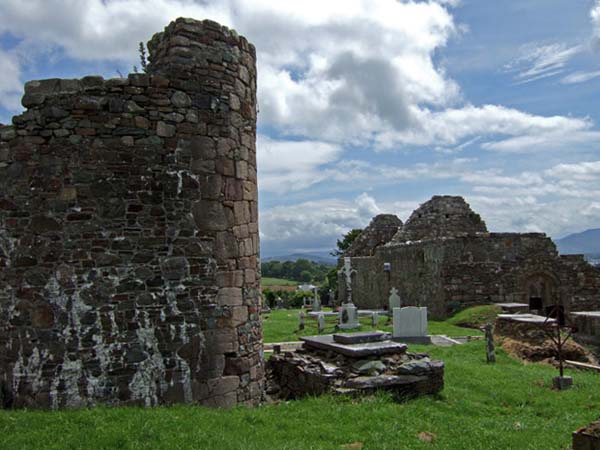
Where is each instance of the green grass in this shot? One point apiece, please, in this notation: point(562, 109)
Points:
point(503, 406)
point(282, 326)
point(475, 316)
point(267, 281)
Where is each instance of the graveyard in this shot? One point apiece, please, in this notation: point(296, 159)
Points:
point(504, 405)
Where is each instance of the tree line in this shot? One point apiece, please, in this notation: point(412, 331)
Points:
point(301, 270)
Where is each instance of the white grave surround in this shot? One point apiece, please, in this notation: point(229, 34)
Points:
point(410, 321)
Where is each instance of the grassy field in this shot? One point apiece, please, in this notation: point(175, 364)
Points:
point(282, 326)
point(266, 281)
point(503, 406)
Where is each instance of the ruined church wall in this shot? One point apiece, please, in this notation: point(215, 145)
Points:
point(497, 268)
point(454, 273)
point(129, 232)
point(415, 272)
point(582, 281)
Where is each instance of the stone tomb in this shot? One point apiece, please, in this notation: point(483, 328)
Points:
point(410, 323)
point(352, 363)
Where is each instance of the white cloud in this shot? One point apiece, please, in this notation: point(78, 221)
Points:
point(541, 61)
point(11, 87)
point(558, 200)
point(595, 17)
point(450, 126)
point(583, 171)
point(97, 29)
point(364, 173)
point(315, 223)
point(341, 71)
point(580, 77)
point(551, 140)
point(292, 165)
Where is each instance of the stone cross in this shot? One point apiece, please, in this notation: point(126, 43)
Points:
point(347, 271)
point(394, 300)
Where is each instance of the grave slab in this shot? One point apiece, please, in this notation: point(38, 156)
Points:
point(326, 342)
point(360, 338)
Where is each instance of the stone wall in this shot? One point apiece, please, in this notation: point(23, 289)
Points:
point(129, 232)
point(441, 216)
point(380, 231)
point(450, 273)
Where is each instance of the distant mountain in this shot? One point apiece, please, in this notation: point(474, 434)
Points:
point(586, 242)
point(321, 259)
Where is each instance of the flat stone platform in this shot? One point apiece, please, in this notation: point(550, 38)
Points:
point(513, 307)
point(361, 338)
point(526, 318)
point(361, 350)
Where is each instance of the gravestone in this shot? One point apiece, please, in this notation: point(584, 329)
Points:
point(301, 320)
point(316, 303)
point(348, 317)
point(279, 303)
point(410, 321)
point(347, 271)
point(375, 319)
point(321, 323)
point(394, 300)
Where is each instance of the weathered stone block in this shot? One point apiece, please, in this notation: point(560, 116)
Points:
point(230, 296)
point(209, 215)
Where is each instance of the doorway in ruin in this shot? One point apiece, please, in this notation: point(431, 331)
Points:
point(542, 295)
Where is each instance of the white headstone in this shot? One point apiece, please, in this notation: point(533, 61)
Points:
point(410, 321)
point(348, 317)
point(394, 300)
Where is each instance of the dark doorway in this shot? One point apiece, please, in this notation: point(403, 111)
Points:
point(556, 312)
point(536, 303)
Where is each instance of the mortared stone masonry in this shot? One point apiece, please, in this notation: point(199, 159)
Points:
point(129, 232)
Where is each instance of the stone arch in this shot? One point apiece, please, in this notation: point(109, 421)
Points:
point(542, 292)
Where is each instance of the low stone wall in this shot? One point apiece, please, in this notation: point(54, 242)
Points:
point(587, 326)
point(293, 375)
point(587, 438)
point(530, 331)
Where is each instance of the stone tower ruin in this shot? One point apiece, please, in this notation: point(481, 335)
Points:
point(129, 232)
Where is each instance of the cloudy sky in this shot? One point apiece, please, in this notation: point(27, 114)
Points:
point(373, 106)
